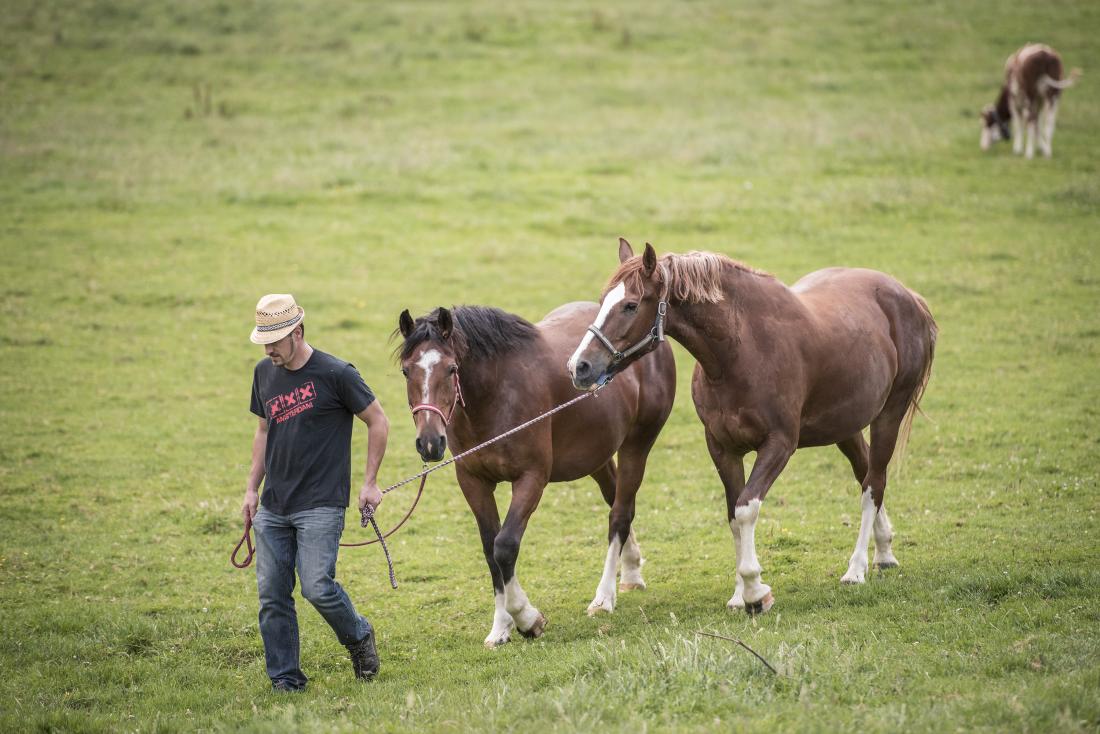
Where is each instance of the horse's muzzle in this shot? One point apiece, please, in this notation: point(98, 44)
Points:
point(431, 449)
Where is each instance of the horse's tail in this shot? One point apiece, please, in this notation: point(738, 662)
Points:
point(926, 373)
point(1059, 84)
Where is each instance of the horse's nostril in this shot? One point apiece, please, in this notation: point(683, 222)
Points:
point(582, 368)
point(419, 445)
point(442, 444)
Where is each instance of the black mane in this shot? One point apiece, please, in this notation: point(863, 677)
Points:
point(480, 332)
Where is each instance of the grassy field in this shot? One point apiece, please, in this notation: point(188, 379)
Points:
point(164, 164)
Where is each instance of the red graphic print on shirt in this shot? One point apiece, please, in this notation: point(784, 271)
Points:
point(284, 407)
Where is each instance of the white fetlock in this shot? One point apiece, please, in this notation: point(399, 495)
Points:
point(526, 618)
point(737, 601)
point(631, 579)
point(885, 560)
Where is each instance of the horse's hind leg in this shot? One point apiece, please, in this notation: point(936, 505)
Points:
point(873, 518)
point(855, 450)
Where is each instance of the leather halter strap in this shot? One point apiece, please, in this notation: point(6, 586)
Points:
point(647, 342)
point(433, 409)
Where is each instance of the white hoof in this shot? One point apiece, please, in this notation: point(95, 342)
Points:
point(638, 585)
point(736, 602)
point(601, 604)
point(499, 636)
point(854, 576)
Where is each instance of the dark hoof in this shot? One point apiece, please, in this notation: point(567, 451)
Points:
point(886, 564)
point(759, 607)
point(536, 629)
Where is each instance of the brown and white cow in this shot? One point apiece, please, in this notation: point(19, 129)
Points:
point(1029, 98)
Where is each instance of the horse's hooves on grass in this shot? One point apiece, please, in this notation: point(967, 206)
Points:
point(536, 629)
point(759, 607)
point(631, 586)
point(595, 609)
point(494, 644)
point(886, 564)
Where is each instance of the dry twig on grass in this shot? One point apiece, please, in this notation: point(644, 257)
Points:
point(742, 644)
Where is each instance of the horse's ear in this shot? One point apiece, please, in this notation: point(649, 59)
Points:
point(649, 260)
point(446, 323)
point(405, 323)
point(625, 250)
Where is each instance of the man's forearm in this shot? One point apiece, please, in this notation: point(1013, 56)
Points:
point(377, 437)
point(256, 471)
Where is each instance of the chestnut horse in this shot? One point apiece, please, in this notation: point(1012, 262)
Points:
point(475, 372)
point(778, 369)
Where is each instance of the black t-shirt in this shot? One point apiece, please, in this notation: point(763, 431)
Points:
point(310, 413)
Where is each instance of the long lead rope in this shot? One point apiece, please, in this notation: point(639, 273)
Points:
point(368, 513)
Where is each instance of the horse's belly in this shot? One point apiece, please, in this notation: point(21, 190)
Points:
point(844, 413)
point(581, 450)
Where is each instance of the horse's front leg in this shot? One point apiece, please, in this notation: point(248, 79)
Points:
point(770, 460)
point(526, 493)
point(621, 543)
point(479, 496)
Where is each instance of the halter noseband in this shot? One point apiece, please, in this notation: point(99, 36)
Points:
point(433, 409)
point(647, 342)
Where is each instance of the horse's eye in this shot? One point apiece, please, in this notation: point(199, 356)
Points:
point(405, 372)
point(630, 307)
point(454, 369)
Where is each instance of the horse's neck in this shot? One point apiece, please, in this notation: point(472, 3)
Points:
point(695, 326)
point(481, 391)
point(712, 332)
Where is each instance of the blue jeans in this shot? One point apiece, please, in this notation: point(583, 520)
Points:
point(308, 541)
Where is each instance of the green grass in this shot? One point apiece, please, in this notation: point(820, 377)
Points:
point(162, 165)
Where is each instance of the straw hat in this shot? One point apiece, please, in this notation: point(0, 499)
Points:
point(276, 316)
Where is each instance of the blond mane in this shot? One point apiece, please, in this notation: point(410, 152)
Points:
point(694, 277)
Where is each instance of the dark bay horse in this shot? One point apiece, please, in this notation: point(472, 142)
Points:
point(475, 372)
point(778, 369)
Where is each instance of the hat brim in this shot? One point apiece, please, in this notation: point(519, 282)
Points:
point(270, 337)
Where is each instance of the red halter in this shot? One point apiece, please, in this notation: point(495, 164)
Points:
point(431, 408)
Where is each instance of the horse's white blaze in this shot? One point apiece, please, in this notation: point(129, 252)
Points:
point(616, 294)
point(747, 564)
point(502, 624)
point(604, 600)
point(737, 601)
point(884, 536)
point(857, 565)
point(517, 605)
point(428, 360)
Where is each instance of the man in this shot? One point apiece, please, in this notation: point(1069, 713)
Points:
point(305, 400)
